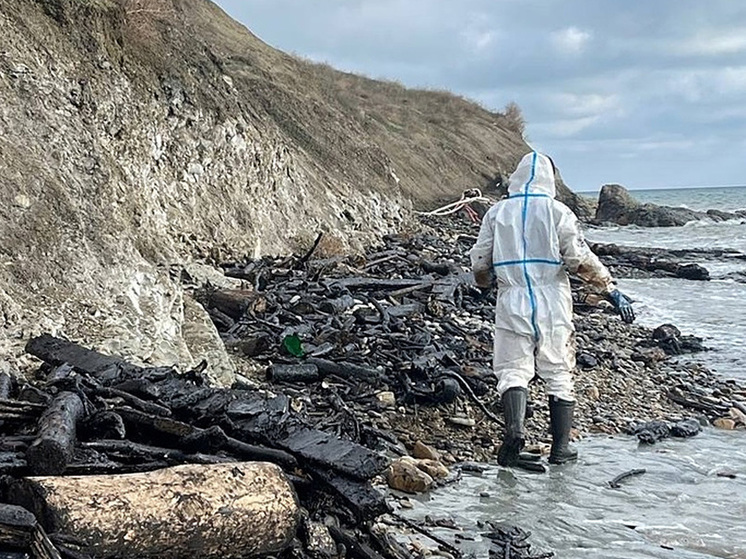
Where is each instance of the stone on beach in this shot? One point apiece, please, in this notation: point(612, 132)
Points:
point(405, 475)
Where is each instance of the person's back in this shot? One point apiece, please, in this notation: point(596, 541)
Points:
point(526, 241)
point(520, 240)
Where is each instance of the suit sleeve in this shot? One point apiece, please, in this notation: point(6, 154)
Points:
point(578, 256)
point(481, 252)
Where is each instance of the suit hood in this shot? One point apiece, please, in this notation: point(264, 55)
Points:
point(534, 174)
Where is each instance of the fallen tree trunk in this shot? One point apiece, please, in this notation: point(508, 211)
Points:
point(50, 453)
point(236, 510)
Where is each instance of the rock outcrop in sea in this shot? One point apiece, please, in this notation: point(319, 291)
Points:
point(616, 205)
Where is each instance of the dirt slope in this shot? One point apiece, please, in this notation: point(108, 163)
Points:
point(138, 136)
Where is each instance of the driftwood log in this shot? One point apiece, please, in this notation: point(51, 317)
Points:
point(19, 531)
point(233, 302)
point(57, 351)
point(221, 511)
point(6, 383)
point(53, 449)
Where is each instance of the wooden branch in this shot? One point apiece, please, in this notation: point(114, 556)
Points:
point(129, 451)
point(6, 384)
point(355, 548)
point(614, 483)
point(134, 401)
point(170, 432)
point(418, 528)
point(310, 252)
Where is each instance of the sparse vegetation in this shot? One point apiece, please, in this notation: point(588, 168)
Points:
point(514, 118)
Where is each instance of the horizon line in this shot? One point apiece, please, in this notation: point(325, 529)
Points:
point(691, 187)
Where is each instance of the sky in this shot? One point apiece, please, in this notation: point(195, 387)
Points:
point(644, 93)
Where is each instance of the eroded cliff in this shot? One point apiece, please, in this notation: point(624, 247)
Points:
point(137, 137)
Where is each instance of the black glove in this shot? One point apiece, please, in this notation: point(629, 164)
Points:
point(623, 305)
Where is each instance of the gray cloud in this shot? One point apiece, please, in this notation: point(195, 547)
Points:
point(643, 93)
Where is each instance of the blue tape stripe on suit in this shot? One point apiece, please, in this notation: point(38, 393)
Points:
point(531, 296)
point(528, 261)
point(531, 195)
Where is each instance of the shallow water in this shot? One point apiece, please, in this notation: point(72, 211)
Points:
point(714, 310)
point(697, 234)
point(680, 503)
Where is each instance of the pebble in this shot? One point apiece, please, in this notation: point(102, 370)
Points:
point(433, 468)
point(405, 475)
point(423, 451)
point(386, 399)
point(587, 361)
point(462, 421)
point(724, 423)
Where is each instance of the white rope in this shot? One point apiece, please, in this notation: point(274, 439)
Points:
point(453, 207)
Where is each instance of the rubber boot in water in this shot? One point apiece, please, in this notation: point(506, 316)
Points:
point(560, 417)
point(514, 411)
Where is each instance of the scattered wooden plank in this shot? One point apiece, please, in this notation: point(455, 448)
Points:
point(57, 351)
point(318, 447)
point(360, 497)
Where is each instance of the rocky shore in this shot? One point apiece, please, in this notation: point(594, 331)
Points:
point(409, 314)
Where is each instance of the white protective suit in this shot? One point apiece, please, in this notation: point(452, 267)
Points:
point(528, 239)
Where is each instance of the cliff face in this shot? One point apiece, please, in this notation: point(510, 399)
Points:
point(138, 136)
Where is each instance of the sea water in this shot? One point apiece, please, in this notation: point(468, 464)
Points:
point(691, 502)
point(714, 310)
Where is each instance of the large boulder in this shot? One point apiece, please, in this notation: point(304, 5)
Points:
point(616, 205)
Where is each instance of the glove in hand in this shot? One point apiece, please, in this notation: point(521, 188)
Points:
point(623, 305)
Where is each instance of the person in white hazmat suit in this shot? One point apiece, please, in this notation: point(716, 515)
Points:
point(527, 243)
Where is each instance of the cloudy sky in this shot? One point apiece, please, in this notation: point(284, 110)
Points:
point(646, 93)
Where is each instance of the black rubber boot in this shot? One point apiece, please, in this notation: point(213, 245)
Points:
point(509, 453)
point(560, 416)
point(514, 410)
